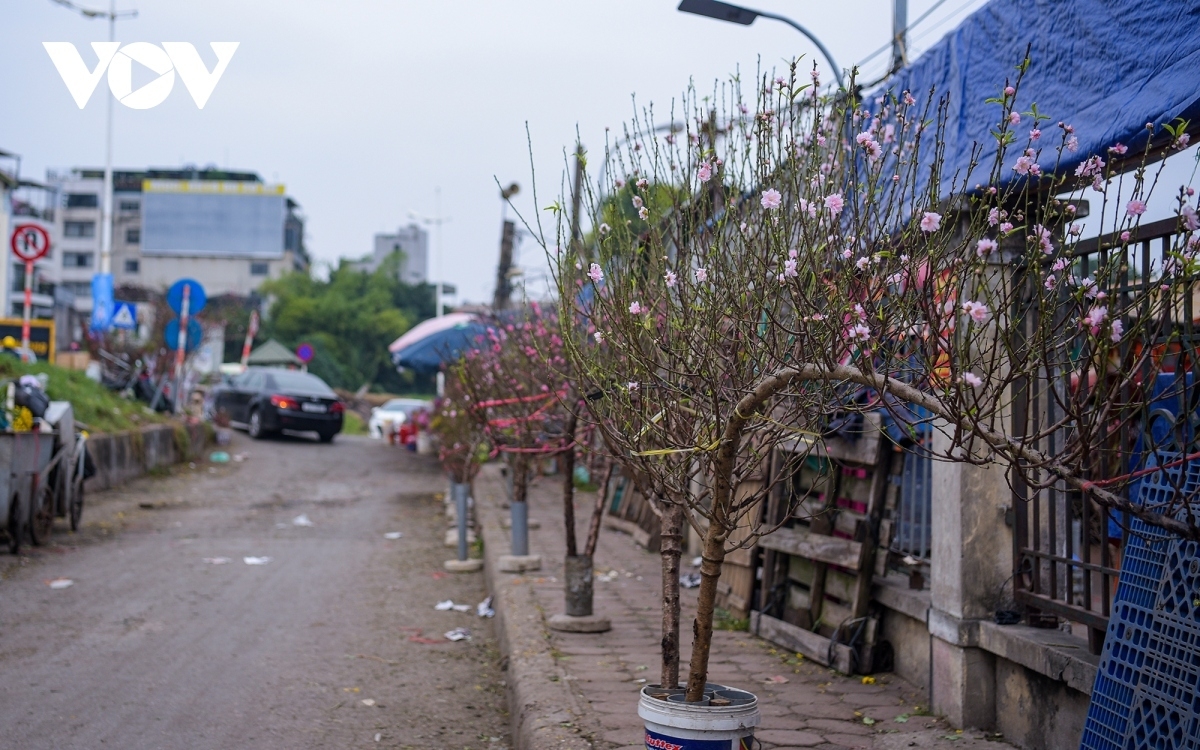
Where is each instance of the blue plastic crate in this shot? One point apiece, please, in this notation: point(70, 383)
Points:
point(1147, 689)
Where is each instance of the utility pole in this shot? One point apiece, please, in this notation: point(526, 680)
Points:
point(436, 221)
point(899, 34)
point(503, 282)
point(508, 230)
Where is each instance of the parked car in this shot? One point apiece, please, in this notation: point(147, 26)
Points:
point(397, 411)
point(265, 400)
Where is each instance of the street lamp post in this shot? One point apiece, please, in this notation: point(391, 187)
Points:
point(746, 16)
point(436, 221)
point(106, 208)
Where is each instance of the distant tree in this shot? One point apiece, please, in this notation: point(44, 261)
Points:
point(349, 320)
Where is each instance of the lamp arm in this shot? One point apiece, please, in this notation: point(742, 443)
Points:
point(837, 72)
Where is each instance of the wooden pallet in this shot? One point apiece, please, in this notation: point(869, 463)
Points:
point(629, 512)
point(817, 570)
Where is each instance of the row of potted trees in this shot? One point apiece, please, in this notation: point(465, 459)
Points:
point(787, 256)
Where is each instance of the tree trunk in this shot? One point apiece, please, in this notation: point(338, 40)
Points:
point(568, 468)
point(670, 551)
point(714, 550)
point(702, 626)
point(593, 535)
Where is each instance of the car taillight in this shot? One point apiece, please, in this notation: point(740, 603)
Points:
point(282, 402)
point(337, 407)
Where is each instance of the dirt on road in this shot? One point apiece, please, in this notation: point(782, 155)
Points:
point(333, 643)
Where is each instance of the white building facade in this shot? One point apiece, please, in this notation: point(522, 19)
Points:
point(412, 242)
point(229, 231)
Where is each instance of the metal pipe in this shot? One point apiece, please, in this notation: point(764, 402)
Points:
point(520, 529)
point(461, 494)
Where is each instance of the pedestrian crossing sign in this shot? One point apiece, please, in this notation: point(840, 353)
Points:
point(124, 315)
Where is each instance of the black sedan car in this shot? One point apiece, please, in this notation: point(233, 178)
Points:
point(265, 400)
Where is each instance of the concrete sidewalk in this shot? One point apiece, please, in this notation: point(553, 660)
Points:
point(802, 704)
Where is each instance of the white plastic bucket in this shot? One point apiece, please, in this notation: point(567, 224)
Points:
point(689, 726)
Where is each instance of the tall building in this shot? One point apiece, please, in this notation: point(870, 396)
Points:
point(412, 242)
point(229, 231)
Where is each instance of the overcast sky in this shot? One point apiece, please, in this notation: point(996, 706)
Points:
point(363, 107)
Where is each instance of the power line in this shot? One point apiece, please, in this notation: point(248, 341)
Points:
point(89, 13)
point(885, 47)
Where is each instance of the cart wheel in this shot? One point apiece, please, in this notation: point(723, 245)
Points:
point(14, 525)
point(41, 515)
point(76, 509)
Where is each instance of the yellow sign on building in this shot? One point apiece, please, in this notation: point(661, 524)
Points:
point(41, 336)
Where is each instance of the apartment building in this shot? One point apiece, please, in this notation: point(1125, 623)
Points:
point(228, 230)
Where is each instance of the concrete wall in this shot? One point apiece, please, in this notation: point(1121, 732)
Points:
point(910, 646)
point(122, 456)
point(1034, 711)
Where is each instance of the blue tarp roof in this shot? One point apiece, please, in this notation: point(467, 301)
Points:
point(1106, 67)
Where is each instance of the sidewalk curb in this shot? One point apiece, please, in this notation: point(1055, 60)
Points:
point(545, 712)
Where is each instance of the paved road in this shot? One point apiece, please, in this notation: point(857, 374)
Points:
point(152, 647)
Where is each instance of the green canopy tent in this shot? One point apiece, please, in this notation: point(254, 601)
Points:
point(273, 354)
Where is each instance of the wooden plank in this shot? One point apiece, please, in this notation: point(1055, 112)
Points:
point(773, 563)
point(813, 646)
point(734, 589)
point(862, 595)
point(827, 549)
point(834, 613)
point(798, 597)
point(864, 450)
point(840, 585)
point(847, 521)
point(801, 570)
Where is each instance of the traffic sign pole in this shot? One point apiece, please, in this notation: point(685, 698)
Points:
point(28, 311)
point(181, 349)
point(29, 242)
point(251, 330)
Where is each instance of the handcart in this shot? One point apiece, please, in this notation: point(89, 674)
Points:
point(41, 476)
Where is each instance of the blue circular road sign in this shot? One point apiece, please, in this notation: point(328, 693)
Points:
point(197, 299)
point(194, 335)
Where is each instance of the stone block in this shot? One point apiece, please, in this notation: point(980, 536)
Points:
point(585, 624)
point(463, 566)
point(519, 563)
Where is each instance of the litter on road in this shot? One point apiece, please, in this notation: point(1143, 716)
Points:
point(217, 560)
point(690, 580)
point(484, 609)
point(368, 702)
point(302, 520)
point(256, 560)
point(239, 457)
point(60, 583)
point(458, 634)
point(219, 457)
point(449, 604)
point(393, 535)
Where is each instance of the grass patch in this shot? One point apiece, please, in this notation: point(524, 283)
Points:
point(352, 424)
point(723, 619)
point(99, 408)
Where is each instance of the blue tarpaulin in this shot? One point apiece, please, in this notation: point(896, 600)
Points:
point(1107, 68)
